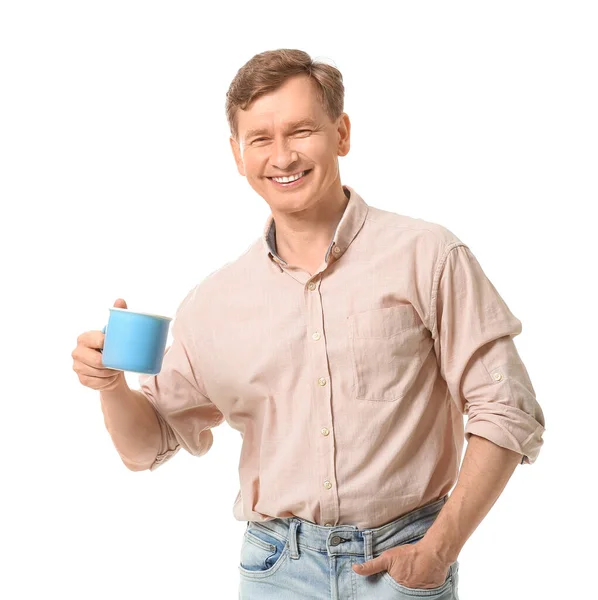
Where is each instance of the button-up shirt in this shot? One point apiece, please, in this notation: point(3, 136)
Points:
point(348, 386)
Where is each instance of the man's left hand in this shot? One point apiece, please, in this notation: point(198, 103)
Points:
point(412, 565)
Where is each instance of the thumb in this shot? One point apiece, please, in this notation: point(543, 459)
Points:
point(371, 566)
point(120, 303)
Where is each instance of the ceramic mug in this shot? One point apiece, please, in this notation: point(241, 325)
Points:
point(135, 341)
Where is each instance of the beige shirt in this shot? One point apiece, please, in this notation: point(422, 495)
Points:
point(348, 386)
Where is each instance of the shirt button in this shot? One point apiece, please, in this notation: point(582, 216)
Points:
point(497, 376)
point(327, 524)
point(325, 431)
point(336, 250)
point(322, 381)
point(315, 335)
point(327, 485)
point(311, 285)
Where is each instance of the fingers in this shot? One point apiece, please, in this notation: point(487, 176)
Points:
point(99, 383)
point(91, 339)
point(86, 371)
point(88, 356)
point(372, 566)
point(88, 361)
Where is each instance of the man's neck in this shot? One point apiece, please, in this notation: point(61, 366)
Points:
point(303, 239)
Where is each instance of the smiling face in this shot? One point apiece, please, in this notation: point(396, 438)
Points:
point(287, 132)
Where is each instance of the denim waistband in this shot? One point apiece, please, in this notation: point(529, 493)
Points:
point(349, 539)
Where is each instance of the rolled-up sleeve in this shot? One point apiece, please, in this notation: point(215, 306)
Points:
point(473, 330)
point(185, 413)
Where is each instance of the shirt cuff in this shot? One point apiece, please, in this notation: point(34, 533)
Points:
point(162, 458)
point(529, 446)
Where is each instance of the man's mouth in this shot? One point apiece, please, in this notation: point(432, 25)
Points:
point(291, 181)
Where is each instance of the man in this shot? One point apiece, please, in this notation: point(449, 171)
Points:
point(345, 346)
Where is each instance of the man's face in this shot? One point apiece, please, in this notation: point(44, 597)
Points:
point(287, 132)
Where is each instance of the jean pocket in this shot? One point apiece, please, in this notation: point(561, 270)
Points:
point(262, 551)
point(442, 592)
point(386, 346)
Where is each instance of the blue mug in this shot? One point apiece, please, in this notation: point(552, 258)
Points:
point(134, 341)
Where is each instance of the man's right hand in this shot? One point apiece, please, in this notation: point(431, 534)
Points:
point(87, 361)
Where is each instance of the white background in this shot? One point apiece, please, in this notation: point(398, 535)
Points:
point(117, 180)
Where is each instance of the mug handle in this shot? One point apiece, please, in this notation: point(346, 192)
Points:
point(103, 331)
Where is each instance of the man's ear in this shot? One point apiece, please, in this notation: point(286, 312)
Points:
point(344, 133)
point(237, 154)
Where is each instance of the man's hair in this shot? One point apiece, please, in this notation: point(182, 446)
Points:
point(269, 70)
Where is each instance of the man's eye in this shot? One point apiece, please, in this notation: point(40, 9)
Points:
point(265, 139)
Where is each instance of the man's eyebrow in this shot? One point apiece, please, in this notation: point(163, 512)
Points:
point(290, 126)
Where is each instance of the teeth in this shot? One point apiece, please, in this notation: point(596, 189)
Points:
point(288, 179)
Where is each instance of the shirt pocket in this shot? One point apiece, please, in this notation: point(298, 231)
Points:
point(385, 346)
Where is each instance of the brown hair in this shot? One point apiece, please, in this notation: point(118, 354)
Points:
point(267, 71)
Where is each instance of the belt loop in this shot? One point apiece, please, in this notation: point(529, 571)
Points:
point(367, 539)
point(293, 545)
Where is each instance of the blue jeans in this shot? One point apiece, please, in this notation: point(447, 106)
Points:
point(295, 559)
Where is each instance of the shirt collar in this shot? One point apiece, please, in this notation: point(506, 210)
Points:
point(346, 230)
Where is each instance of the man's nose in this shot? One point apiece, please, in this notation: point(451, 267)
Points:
point(283, 155)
